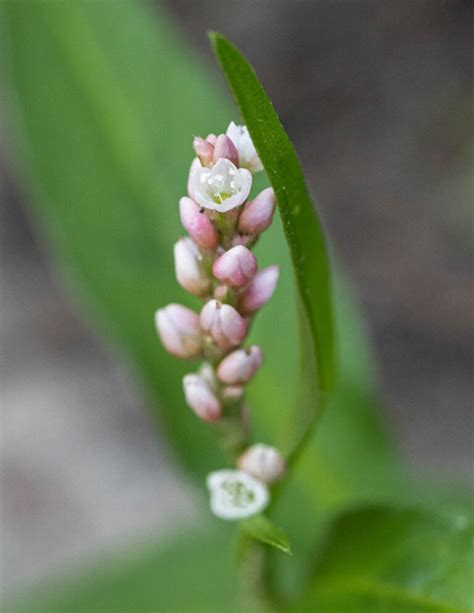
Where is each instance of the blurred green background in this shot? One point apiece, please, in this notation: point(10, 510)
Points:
point(377, 99)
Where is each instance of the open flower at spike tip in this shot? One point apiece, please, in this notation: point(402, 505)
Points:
point(248, 157)
point(220, 188)
point(236, 495)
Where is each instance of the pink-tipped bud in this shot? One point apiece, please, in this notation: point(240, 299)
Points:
point(235, 267)
point(179, 330)
point(240, 365)
point(195, 164)
point(190, 273)
point(226, 326)
point(263, 462)
point(201, 398)
point(197, 224)
point(211, 138)
point(204, 150)
point(258, 213)
point(225, 148)
point(260, 290)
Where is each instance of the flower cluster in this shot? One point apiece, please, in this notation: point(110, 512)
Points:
point(216, 264)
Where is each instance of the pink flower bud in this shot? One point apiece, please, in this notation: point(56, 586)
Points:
point(201, 398)
point(179, 330)
point(197, 224)
point(225, 148)
point(226, 326)
point(204, 150)
point(263, 462)
point(211, 138)
point(235, 267)
point(260, 290)
point(258, 213)
point(240, 365)
point(195, 165)
point(189, 270)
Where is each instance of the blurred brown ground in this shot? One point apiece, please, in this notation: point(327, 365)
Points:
point(377, 97)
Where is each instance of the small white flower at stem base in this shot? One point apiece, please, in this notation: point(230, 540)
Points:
point(201, 398)
point(225, 148)
point(248, 157)
point(179, 330)
point(257, 214)
point(224, 323)
point(259, 291)
point(220, 188)
point(197, 224)
point(235, 267)
point(236, 495)
point(263, 462)
point(240, 365)
point(189, 269)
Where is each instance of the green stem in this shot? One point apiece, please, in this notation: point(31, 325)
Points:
point(255, 576)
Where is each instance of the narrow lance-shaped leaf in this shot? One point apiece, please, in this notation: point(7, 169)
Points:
point(265, 531)
point(303, 230)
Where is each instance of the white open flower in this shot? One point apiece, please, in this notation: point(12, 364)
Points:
point(248, 157)
point(236, 495)
point(220, 188)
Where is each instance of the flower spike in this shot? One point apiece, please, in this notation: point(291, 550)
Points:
point(215, 263)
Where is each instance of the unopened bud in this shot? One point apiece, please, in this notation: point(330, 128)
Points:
point(240, 365)
point(211, 138)
point(204, 150)
point(260, 290)
point(258, 213)
point(189, 269)
point(248, 157)
point(235, 267)
point(225, 148)
point(195, 164)
point(197, 224)
point(264, 462)
point(226, 326)
point(201, 398)
point(179, 330)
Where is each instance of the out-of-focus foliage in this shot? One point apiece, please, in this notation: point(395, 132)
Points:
point(395, 561)
point(104, 100)
point(178, 576)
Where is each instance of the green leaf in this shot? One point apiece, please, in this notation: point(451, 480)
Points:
point(394, 560)
point(265, 531)
point(302, 227)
